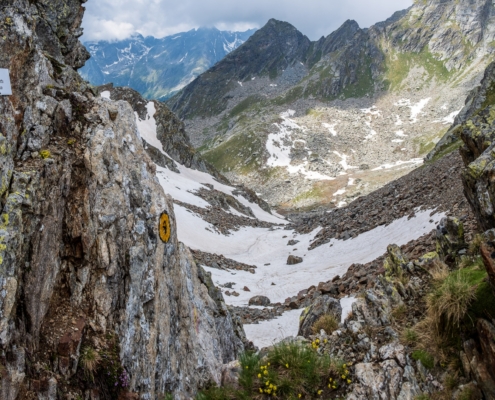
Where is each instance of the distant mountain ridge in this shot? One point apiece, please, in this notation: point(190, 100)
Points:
point(158, 68)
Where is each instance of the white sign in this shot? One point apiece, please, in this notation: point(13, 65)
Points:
point(5, 88)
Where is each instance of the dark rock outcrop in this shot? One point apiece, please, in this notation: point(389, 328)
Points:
point(324, 305)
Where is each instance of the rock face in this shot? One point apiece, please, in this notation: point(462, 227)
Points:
point(324, 305)
point(476, 128)
point(89, 257)
point(477, 133)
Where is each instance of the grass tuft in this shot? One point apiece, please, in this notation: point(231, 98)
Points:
point(426, 358)
point(326, 322)
point(90, 360)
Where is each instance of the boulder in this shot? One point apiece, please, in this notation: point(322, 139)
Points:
point(450, 237)
point(259, 301)
point(321, 306)
point(291, 260)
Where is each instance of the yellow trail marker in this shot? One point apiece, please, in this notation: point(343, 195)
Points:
point(164, 228)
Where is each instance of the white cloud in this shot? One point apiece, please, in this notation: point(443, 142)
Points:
point(117, 19)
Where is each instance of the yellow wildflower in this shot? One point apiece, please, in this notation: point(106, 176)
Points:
point(320, 392)
point(265, 372)
point(299, 395)
point(259, 375)
point(349, 381)
point(287, 365)
point(261, 390)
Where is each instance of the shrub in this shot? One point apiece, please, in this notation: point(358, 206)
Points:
point(426, 358)
point(288, 371)
point(326, 322)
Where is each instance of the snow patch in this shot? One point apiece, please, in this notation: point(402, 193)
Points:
point(415, 161)
point(416, 109)
point(280, 144)
point(260, 246)
point(331, 128)
point(105, 94)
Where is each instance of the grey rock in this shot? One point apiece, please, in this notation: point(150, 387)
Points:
point(291, 260)
point(323, 305)
point(259, 301)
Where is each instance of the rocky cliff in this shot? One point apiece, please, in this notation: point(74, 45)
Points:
point(98, 296)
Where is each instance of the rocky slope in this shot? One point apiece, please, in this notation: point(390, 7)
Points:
point(302, 126)
point(158, 68)
point(98, 297)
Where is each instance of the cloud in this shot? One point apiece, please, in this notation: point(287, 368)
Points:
point(113, 20)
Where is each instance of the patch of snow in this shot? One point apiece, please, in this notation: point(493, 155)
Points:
point(253, 78)
point(279, 145)
point(105, 94)
point(400, 134)
point(176, 37)
point(260, 246)
point(449, 119)
point(343, 161)
point(415, 161)
point(267, 333)
point(416, 109)
point(339, 192)
point(183, 58)
point(397, 141)
point(240, 83)
point(444, 107)
point(147, 126)
point(351, 182)
point(341, 204)
point(399, 121)
point(331, 128)
point(346, 304)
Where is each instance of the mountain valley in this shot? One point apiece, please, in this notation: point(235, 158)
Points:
point(301, 122)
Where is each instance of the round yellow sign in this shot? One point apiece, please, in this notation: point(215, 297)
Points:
point(164, 228)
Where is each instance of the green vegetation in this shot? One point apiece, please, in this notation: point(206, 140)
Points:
point(446, 150)
point(457, 299)
point(244, 105)
point(314, 193)
point(410, 337)
point(289, 97)
point(490, 97)
point(239, 153)
point(364, 85)
point(289, 372)
point(399, 64)
point(90, 360)
point(426, 358)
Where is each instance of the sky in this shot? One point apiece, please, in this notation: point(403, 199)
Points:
point(119, 19)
